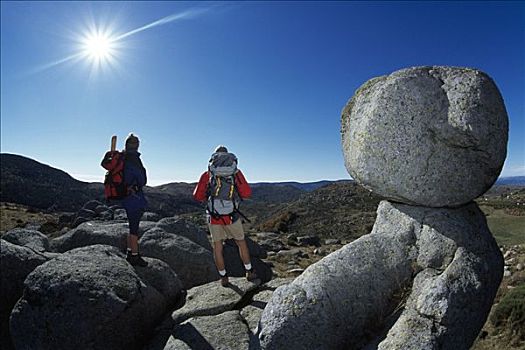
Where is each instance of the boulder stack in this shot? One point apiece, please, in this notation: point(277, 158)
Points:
point(433, 139)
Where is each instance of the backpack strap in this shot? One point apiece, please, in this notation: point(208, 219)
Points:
point(232, 189)
point(236, 205)
point(219, 185)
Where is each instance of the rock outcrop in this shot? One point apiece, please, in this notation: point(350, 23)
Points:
point(355, 290)
point(426, 276)
point(193, 264)
point(92, 298)
point(185, 229)
point(227, 330)
point(431, 136)
point(181, 244)
point(31, 239)
point(16, 262)
point(215, 317)
point(97, 232)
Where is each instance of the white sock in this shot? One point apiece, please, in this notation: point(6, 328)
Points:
point(248, 266)
point(222, 273)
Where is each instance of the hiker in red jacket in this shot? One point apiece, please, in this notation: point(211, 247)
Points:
point(223, 186)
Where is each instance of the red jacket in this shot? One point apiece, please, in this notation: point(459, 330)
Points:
point(200, 193)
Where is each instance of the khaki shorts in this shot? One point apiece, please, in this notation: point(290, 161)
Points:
point(222, 232)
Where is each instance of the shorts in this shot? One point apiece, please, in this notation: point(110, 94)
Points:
point(134, 220)
point(222, 232)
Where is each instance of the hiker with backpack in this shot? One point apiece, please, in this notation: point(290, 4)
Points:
point(223, 186)
point(124, 181)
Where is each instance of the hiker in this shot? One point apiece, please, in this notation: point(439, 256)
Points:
point(125, 179)
point(223, 186)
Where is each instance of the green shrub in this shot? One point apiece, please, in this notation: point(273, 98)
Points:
point(509, 314)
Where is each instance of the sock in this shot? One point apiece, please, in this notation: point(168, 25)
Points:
point(128, 250)
point(222, 273)
point(248, 266)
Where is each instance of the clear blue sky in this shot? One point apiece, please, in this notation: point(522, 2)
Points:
point(269, 80)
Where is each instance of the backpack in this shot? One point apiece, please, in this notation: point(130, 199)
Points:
point(114, 185)
point(221, 188)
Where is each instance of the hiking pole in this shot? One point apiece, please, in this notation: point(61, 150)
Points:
point(113, 143)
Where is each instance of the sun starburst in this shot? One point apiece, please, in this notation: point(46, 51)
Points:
point(99, 47)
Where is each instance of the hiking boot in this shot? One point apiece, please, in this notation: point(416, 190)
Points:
point(225, 282)
point(136, 260)
point(251, 275)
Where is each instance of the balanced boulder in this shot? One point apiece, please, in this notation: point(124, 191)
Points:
point(431, 136)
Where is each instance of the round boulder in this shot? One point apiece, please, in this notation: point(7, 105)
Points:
point(31, 239)
point(150, 216)
point(193, 264)
point(431, 136)
point(91, 298)
point(97, 232)
point(16, 262)
point(185, 229)
point(92, 205)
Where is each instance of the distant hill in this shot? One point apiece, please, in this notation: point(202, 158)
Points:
point(28, 182)
point(342, 210)
point(303, 186)
point(511, 181)
point(273, 192)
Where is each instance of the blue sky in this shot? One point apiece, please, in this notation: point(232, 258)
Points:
point(269, 80)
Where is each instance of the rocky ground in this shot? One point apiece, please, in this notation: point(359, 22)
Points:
point(289, 253)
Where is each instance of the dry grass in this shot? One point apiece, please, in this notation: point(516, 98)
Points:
point(15, 215)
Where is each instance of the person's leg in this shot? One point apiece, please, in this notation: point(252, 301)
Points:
point(243, 251)
point(245, 257)
point(133, 255)
point(133, 242)
point(236, 231)
point(217, 254)
point(217, 237)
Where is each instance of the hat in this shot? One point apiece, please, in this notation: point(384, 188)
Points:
point(221, 148)
point(132, 143)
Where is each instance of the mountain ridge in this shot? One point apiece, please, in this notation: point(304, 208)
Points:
point(29, 182)
point(306, 186)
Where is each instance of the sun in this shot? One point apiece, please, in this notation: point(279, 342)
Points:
point(99, 47)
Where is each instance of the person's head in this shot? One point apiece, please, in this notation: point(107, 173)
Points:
point(132, 143)
point(221, 149)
